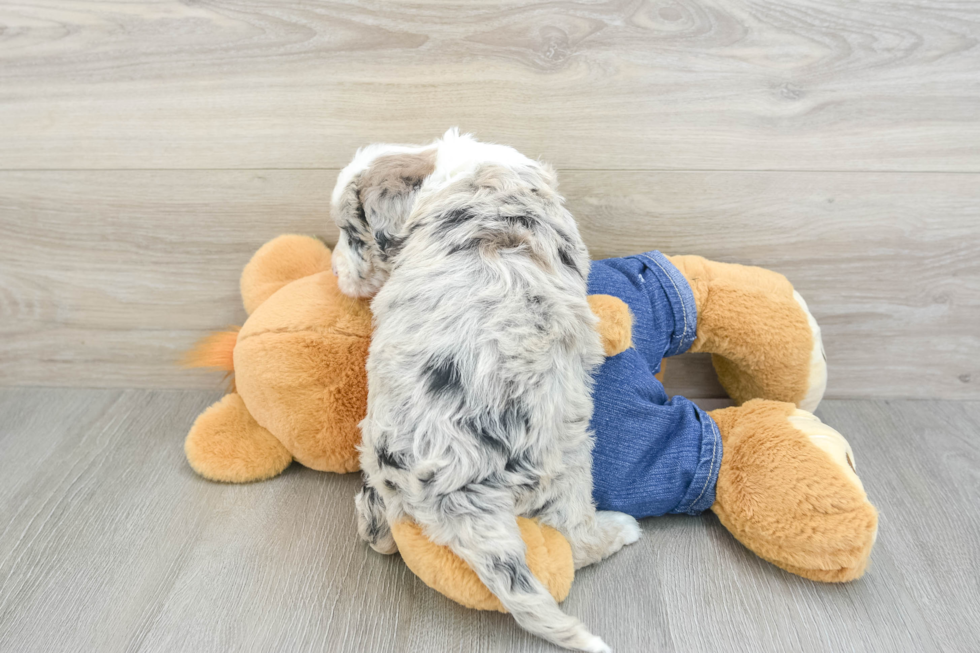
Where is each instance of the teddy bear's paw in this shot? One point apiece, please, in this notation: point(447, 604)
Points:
point(226, 444)
point(765, 343)
point(775, 351)
point(817, 378)
point(788, 490)
point(830, 441)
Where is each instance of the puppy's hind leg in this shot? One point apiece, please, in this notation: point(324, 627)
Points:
point(593, 534)
point(602, 535)
point(372, 521)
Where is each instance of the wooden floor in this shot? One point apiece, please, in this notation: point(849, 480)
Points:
point(109, 542)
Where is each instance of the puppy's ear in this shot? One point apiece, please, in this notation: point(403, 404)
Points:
point(371, 210)
point(387, 190)
point(350, 217)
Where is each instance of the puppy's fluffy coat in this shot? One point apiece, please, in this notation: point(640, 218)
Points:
point(480, 365)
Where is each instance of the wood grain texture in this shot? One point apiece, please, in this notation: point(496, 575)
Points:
point(618, 84)
point(888, 263)
point(106, 277)
point(109, 542)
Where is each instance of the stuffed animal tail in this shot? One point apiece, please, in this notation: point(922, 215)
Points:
point(216, 350)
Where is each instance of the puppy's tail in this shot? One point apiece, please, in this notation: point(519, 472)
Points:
point(489, 541)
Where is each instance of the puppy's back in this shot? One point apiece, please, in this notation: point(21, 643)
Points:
point(479, 376)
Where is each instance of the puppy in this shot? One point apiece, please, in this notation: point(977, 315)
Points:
point(479, 373)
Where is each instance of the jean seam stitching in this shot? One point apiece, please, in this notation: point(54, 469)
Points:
point(677, 291)
point(711, 467)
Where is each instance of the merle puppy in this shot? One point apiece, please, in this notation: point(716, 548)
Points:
point(479, 373)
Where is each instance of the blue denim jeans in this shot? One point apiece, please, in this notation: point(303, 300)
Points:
point(653, 455)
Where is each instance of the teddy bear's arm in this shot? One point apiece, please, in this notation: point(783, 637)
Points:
point(615, 323)
point(226, 444)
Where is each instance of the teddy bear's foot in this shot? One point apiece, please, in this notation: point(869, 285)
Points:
point(763, 340)
point(787, 489)
point(548, 555)
point(227, 444)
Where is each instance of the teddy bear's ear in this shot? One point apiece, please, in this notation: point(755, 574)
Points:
point(279, 262)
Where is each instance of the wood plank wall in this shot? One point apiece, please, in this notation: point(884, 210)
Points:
point(148, 148)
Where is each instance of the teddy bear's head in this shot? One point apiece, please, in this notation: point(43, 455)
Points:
point(300, 357)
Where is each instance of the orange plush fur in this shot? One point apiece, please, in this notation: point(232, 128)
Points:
point(301, 390)
point(786, 500)
point(299, 365)
point(742, 311)
point(548, 555)
point(616, 323)
point(299, 370)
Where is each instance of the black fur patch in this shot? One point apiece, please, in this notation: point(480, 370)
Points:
point(454, 218)
point(353, 238)
point(370, 494)
point(515, 416)
point(566, 259)
point(389, 245)
point(391, 486)
point(523, 473)
point(564, 236)
point(374, 505)
point(468, 501)
point(498, 431)
point(516, 572)
point(389, 459)
point(444, 376)
point(544, 507)
point(490, 435)
point(526, 221)
point(359, 212)
point(526, 481)
point(518, 464)
point(467, 246)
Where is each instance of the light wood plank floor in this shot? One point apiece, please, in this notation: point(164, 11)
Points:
point(109, 542)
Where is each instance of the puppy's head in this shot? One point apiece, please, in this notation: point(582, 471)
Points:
point(372, 200)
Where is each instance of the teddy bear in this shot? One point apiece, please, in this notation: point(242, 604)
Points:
point(782, 482)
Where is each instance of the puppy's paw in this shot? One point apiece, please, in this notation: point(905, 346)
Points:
point(385, 545)
point(621, 528)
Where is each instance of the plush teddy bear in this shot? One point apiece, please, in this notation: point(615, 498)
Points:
point(782, 482)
